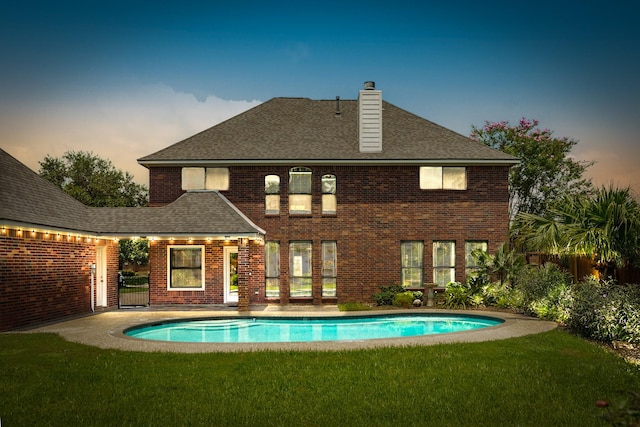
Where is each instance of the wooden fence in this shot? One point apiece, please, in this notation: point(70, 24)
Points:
point(581, 267)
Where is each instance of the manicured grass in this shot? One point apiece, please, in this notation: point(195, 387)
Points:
point(547, 379)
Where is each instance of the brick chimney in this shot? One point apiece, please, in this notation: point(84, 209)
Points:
point(370, 118)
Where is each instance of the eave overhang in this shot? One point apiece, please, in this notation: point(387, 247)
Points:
point(341, 162)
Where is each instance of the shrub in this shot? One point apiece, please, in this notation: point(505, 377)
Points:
point(477, 300)
point(606, 311)
point(545, 292)
point(128, 273)
point(456, 295)
point(387, 294)
point(403, 299)
point(509, 298)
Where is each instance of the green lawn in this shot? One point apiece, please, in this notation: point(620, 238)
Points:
point(550, 379)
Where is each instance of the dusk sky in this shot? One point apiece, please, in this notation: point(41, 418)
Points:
point(125, 79)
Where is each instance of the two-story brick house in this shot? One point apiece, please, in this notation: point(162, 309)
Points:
point(340, 197)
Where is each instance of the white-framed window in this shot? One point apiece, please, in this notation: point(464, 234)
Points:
point(272, 269)
point(443, 178)
point(185, 268)
point(329, 202)
point(271, 194)
point(198, 178)
point(300, 270)
point(411, 260)
point(299, 191)
point(329, 268)
point(470, 263)
point(444, 262)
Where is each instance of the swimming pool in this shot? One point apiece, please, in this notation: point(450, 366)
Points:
point(270, 329)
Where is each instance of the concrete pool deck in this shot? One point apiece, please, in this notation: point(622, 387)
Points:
point(105, 329)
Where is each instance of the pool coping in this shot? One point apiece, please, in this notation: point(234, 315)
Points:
point(106, 330)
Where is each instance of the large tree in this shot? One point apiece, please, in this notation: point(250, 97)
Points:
point(546, 172)
point(96, 182)
point(92, 180)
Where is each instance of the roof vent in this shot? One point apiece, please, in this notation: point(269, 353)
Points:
point(337, 106)
point(369, 85)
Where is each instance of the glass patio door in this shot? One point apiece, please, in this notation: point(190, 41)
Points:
point(230, 274)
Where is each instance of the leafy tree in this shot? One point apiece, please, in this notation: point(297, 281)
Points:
point(605, 225)
point(545, 173)
point(92, 180)
point(96, 182)
point(135, 251)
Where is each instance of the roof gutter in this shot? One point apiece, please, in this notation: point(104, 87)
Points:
point(351, 162)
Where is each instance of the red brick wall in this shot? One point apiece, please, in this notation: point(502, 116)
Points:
point(165, 185)
point(44, 279)
point(378, 207)
point(113, 258)
point(214, 276)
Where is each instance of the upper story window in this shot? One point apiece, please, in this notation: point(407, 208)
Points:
point(443, 178)
point(329, 202)
point(272, 194)
point(300, 190)
point(205, 179)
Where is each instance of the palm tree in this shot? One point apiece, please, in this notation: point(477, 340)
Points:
point(504, 266)
point(604, 225)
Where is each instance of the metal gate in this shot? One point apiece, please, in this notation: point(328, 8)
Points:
point(133, 291)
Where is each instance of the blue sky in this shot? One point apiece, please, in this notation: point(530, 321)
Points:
point(125, 80)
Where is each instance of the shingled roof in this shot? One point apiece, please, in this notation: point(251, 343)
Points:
point(28, 200)
point(195, 213)
point(285, 129)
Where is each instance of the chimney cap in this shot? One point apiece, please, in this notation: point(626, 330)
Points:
point(370, 85)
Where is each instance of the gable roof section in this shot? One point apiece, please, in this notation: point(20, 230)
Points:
point(28, 200)
point(285, 129)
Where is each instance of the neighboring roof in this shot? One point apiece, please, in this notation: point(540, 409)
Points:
point(195, 213)
point(27, 199)
point(285, 129)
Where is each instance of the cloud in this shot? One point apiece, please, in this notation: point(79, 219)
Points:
point(121, 126)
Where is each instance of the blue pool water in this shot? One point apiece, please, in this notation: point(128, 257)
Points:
point(262, 330)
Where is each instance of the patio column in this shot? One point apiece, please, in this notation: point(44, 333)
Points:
point(243, 274)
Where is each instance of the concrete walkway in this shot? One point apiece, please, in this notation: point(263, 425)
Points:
point(105, 330)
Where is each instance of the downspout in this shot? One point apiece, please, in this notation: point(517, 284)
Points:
point(93, 281)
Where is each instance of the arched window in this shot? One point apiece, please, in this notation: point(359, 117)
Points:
point(329, 202)
point(272, 195)
point(300, 190)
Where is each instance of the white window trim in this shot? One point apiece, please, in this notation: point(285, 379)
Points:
point(202, 267)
